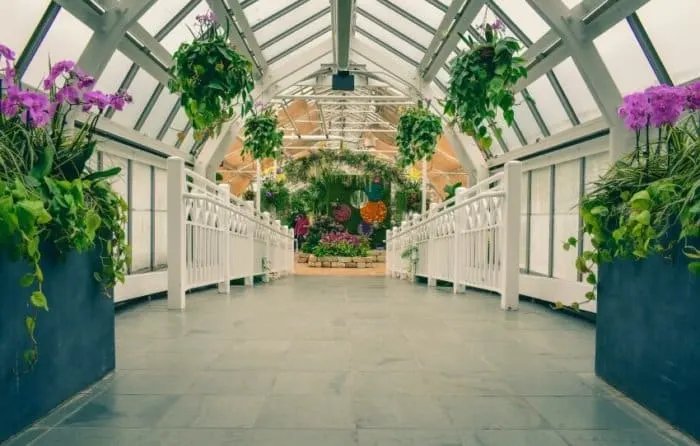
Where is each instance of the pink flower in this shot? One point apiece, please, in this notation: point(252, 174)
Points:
point(6, 52)
point(37, 108)
point(68, 94)
point(95, 98)
point(64, 66)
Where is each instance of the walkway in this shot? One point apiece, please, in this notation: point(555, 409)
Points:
point(327, 361)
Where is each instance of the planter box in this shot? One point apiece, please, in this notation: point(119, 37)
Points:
point(76, 337)
point(647, 333)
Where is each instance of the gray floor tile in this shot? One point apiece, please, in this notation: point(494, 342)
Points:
point(348, 361)
point(583, 412)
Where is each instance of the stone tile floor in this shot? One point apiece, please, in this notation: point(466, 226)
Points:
point(350, 361)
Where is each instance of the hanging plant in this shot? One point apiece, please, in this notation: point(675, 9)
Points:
point(417, 134)
point(262, 137)
point(275, 197)
point(373, 212)
point(211, 77)
point(249, 195)
point(482, 81)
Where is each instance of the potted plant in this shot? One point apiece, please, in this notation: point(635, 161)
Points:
point(211, 77)
point(481, 82)
point(62, 243)
point(262, 137)
point(643, 219)
point(416, 134)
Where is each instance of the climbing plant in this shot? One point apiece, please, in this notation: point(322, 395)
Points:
point(322, 163)
point(482, 80)
point(648, 203)
point(211, 77)
point(417, 134)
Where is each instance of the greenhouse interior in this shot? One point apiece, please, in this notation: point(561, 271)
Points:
point(349, 222)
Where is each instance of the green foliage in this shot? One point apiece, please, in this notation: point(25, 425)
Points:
point(275, 196)
point(219, 177)
point(309, 200)
point(211, 77)
point(323, 164)
point(417, 134)
point(342, 249)
point(321, 226)
point(451, 190)
point(481, 82)
point(249, 195)
point(262, 138)
point(407, 199)
point(49, 195)
point(647, 204)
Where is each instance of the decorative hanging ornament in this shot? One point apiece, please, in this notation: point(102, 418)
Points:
point(375, 191)
point(358, 199)
point(373, 212)
point(342, 213)
point(365, 229)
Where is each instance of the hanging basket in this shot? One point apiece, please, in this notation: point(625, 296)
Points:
point(373, 212)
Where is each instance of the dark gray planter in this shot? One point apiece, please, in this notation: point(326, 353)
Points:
point(648, 336)
point(76, 337)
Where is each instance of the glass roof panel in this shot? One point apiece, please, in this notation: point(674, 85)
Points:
point(524, 17)
point(175, 128)
point(625, 59)
point(674, 34)
point(507, 133)
point(296, 37)
point(386, 15)
point(188, 142)
point(287, 21)
point(158, 115)
point(389, 38)
point(263, 9)
point(418, 8)
point(572, 3)
point(23, 21)
point(549, 106)
point(141, 89)
point(66, 39)
point(160, 13)
point(525, 120)
point(576, 91)
point(181, 33)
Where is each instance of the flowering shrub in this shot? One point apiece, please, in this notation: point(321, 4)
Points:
point(481, 82)
point(47, 194)
point(648, 202)
point(342, 244)
point(211, 77)
point(323, 225)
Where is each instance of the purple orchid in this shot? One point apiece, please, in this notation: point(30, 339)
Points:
point(68, 94)
point(95, 98)
point(119, 100)
point(64, 66)
point(37, 108)
point(9, 106)
point(6, 52)
point(635, 111)
point(498, 25)
point(206, 19)
point(666, 103)
point(692, 99)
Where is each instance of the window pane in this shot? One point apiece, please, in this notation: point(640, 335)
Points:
point(525, 17)
point(176, 127)
point(285, 22)
point(141, 216)
point(674, 33)
point(160, 13)
point(539, 222)
point(625, 59)
point(421, 10)
point(386, 15)
point(389, 38)
point(523, 220)
point(181, 33)
point(525, 120)
point(159, 113)
point(19, 24)
point(576, 90)
point(566, 196)
point(65, 40)
point(114, 73)
point(296, 37)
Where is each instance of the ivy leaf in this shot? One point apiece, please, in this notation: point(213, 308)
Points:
point(30, 323)
point(590, 295)
point(600, 210)
point(694, 267)
point(572, 241)
point(591, 278)
point(641, 200)
point(27, 280)
point(38, 299)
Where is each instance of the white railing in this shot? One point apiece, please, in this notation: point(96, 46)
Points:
point(214, 237)
point(470, 241)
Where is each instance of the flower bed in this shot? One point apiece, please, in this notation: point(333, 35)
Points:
point(368, 261)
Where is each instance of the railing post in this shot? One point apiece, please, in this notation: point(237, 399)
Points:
point(387, 261)
point(278, 255)
point(177, 248)
point(510, 237)
point(404, 247)
point(225, 244)
point(266, 262)
point(432, 255)
point(250, 254)
point(414, 245)
point(460, 223)
point(290, 251)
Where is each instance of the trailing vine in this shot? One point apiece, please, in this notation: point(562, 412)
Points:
point(49, 197)
point(211, 76)
point(262, 137)
point(411, 254)
point(417, 134)
point(482, 80)
point(648, 203)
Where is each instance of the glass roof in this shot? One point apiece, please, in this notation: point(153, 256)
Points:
point(392, 43)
